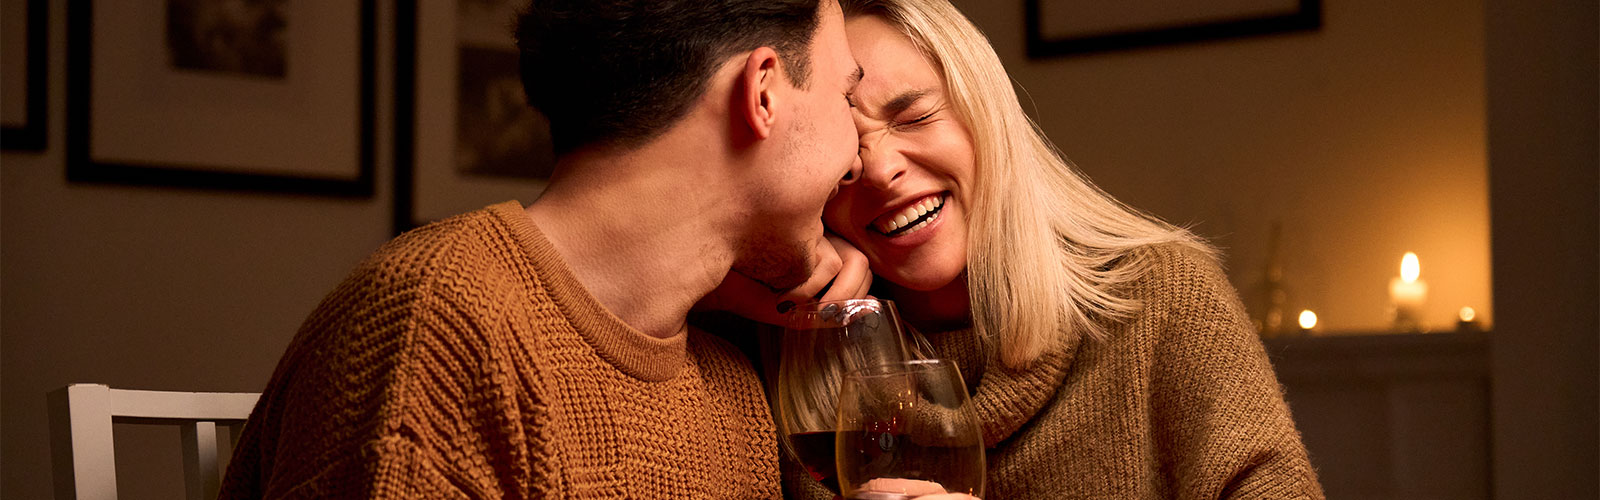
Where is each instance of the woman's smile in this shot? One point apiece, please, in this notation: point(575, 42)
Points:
point(912, 218)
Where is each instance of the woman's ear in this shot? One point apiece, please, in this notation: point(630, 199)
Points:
point(760, 79)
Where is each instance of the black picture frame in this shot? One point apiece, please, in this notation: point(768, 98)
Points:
point(433, 76)
point(31, 136)
point(84, 167)
point(1307, 17)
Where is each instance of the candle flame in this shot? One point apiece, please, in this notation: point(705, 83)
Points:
point(1308, 319)
point(1467, 314)
point(1410, 269)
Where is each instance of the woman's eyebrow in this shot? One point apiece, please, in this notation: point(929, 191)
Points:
point(904, 100)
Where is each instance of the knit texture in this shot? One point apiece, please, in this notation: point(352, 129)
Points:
point(1178, 402)
point(464, 360)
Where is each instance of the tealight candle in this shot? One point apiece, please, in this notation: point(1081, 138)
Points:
point(1308, 321)
point(1408, 292)
point(1468, 320)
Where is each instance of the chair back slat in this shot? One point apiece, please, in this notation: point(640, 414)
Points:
point(84, 451)
point(201, 474)
point(213, 406)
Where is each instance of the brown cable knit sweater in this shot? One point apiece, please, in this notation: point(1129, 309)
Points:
point(463, 360)
point(1178, 402)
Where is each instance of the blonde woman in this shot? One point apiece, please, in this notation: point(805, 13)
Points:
point(1107, 355)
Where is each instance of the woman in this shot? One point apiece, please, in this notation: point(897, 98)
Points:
point(1107, 355)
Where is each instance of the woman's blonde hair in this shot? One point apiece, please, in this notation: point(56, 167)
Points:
point(1047, 250)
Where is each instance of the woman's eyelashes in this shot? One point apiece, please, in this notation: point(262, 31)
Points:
point(916, 121)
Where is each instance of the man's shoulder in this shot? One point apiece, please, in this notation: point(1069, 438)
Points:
point(467, 267)
point(465, 249)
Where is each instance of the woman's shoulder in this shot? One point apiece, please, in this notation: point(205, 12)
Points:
point(1182, 287)
point(1174, 266)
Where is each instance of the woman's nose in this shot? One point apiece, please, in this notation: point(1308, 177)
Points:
point(881, 166)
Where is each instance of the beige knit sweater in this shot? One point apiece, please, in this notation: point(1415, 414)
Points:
point(463, 360)
point(1178, 402)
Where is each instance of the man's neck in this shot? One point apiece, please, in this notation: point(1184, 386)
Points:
point(647, 240)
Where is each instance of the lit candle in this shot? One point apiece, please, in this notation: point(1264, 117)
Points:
point(1469, 320)
point(1308, 321)
point(1408, 292)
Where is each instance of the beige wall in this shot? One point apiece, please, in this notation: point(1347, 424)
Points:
point(153, 288)
point(1365, 138)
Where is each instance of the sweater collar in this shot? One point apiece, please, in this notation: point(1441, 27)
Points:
point(628, 349)
point(1005, 399)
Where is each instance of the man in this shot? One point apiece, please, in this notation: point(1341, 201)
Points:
point(543, 352)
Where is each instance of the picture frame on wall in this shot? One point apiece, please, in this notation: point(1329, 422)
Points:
point(1074, 27)
point(273, 96)
point(23, 41)
point(465, 136)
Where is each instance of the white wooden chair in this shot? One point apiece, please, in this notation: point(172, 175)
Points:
point(82, 448)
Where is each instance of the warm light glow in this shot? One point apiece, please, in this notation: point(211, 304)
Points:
point(1308, 319)
point(1467, 314)
point(1410, 269)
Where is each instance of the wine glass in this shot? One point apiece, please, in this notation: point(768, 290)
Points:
point(906, 429)
point(821, 343)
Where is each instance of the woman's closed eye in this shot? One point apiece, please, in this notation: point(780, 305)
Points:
point(916, 121)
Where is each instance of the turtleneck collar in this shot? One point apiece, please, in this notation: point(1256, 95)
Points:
point(1005, 399)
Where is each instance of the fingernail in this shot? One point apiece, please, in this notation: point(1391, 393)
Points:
point(785, 306)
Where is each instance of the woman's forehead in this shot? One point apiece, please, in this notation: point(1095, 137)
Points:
point(894, 66)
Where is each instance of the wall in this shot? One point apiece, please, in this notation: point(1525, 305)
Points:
point(154, 288)
point(1365, 139)
point(1544, 159)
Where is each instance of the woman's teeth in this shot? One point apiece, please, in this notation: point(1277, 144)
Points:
point(915, 216)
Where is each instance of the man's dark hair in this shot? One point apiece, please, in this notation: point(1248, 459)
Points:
point(620, 72)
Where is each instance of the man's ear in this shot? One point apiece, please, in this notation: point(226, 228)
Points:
point(760, 81)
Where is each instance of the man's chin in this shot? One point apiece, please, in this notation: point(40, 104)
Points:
point(777, 282)
point(778, 272)
point(778, 263)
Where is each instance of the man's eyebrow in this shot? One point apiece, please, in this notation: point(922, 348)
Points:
point(904, 100)
point(856, 77)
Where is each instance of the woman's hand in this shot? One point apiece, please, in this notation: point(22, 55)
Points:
point(854, 277)
point(842, 272)
point(916, 489)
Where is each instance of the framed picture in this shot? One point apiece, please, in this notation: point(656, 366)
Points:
point(22, 52)
point(466, 137)
point(1067, 27)
point(267, 95)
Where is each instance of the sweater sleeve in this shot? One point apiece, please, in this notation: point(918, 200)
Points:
point(1218, 410)
point(403, 391)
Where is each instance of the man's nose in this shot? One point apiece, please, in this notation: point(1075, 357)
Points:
point(854, 173)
